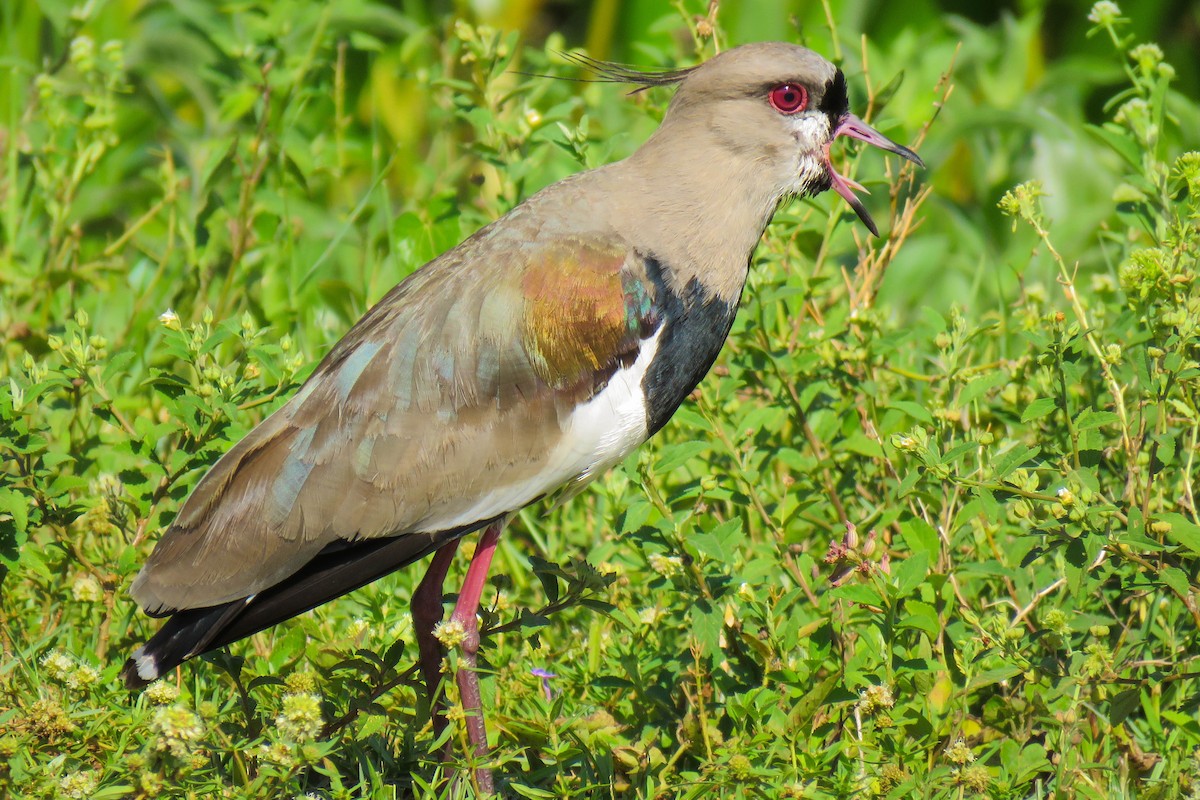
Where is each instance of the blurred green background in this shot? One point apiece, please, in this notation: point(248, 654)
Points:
point(1026, 77)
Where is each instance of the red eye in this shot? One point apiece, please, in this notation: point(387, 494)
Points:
point(788, 98)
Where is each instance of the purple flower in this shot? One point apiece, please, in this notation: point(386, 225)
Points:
point(545, 675)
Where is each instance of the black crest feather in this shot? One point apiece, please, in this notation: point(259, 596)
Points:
point(612, 72)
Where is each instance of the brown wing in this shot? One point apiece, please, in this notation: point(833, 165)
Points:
point(442, 407)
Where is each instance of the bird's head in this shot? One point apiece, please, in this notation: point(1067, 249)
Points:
point(766, 112)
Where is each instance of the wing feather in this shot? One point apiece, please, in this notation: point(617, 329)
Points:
point(442, 407)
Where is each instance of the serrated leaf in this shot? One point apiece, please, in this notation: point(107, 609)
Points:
point(1176, 579)
point(707, 623)
point(719, 544)
point(547, 574)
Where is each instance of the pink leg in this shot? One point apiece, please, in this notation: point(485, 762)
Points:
point(465, 611)
point(427, 613)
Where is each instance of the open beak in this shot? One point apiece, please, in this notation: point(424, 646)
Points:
point(850, 125)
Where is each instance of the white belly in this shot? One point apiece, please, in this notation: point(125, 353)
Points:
point(596, 436)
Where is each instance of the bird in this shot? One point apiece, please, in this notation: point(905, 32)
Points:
point(517, 366)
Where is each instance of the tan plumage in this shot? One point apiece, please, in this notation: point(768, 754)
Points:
point(382, 440)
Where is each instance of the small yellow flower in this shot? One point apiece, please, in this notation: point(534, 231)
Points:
point(874, 699)
point(301, 682)
point(667, 566)
point(959, 753)
point(450, 633)
point(86, 589)
point(1147, 56)
point(890, 777)
point(300, 720)
point(161, 693)
point(278, 753)
point(78, 784)
point(58, 665)
point(47, 720)
point(178, 729)
point(82, 677)
point(974, 778)
point(1104, 13)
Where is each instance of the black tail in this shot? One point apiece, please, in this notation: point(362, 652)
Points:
point(339, 568)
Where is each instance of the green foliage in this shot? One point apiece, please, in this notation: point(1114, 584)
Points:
point(929, 530)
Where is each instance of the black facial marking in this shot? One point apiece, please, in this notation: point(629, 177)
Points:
point(834, 100)
point(695, 326)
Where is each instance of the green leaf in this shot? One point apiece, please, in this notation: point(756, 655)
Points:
point(807, 706)
point(864, 593)
point(1165, 450)
point(1122, 705)
point(979, 386)
point(914, 410)
point(907, 483)
point(1090, 418)
point(910, 573)
point(958, 451)
point(722, 544)
point(1176, 579)
point(532, 792)
point(708, 620)
point(1076, 567)
point(920, 537)
point(547, 574)
point(860, 443)
point(117, 364)
point(1120, 142)
point(1039, 408)
point(1009, 461)
point(1183, 531)
point(14, 527)
point(687, 417)
point(922, 617)
point(676, 455)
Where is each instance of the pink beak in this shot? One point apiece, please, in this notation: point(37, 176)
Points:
point(850, 125)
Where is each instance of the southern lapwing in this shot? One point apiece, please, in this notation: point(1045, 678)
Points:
point(532, 357)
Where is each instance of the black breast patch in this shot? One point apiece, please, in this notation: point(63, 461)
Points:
point(694, 327)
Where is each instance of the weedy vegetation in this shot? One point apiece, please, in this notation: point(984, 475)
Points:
point(930, 530)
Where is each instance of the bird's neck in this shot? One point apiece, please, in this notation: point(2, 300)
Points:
point(704, 217)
